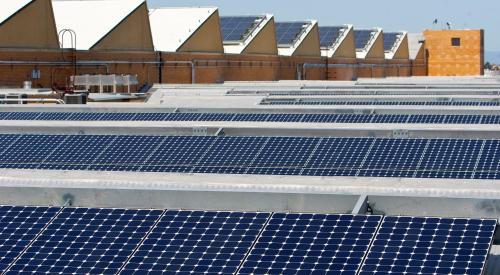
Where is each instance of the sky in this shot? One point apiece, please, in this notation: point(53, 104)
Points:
point(391, 15)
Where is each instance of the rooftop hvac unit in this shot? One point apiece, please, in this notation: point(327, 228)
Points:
point(75, 99)
point(14, 99)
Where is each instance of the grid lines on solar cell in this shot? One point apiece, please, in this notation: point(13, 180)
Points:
point(362, 37)
point(237, 28)
point(390, 39)
point(311, 244)
point(84, 241)
point(287, 33)
point(413, 245)
point(328, 36)
point(198, 242)
point(19, 225)
point(328, 102)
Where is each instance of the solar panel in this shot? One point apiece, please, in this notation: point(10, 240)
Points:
point(262, 117)
point(87, 241)
point(197, 242)
point(310, 156)
point(362, 38)
point(339, 102)
point(19, 225)
point(390, 39)
point(311, 244)
point(238, 28)
point(287, 33)
point(328, 36)
point(412, 245)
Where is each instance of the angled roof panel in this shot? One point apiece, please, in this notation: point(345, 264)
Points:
point(249, 34)
point(298, 38)
point(172, 27)
point(92, 20)
point(416, 45)
point(337, 41)
point(368, 42)
point(10, 7)
point(396, 45)
point(391, 40)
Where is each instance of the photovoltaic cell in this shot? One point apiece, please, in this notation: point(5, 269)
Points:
point(311, 244)
point(362, 37)
point(390, 39)
point(327, 102)
point(19, 225)
point(287, 33)
point(237, 28)
point(86, 241)
point(328, 36)
point(197, 242)
point(412, 245)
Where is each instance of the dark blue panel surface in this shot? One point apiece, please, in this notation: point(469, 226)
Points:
point(287, 33)
point(390, 39)
point(312, 244)
point(19, 225)
point(362, 37)
point(197, 242)
point(412, 245)
point(328, 36)
point(237, 28)
point(87, 241)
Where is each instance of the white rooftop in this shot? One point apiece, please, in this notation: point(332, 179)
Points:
point(172, 27)
point(414, 44)
point(91, 20)
point(9, 7)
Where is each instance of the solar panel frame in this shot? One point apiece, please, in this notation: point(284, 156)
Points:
point(19, 226)
point(238, 28)
point(362, 38)
point(429, 245)
point(197, 242)
point(86, 240)
point(330, 35)
point(391, 40)
point(295, 243)
point(288, 33)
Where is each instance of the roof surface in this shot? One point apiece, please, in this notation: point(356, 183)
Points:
point(172, 27)
point(9, 7)
point(414, 45)
point(91, 20)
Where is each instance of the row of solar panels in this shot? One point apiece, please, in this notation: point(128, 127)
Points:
point(305, 118)
point(272, 101)
point(239, 28)
point(55, 240)
point(306, 156)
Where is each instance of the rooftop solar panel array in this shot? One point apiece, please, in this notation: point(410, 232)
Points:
point(362, 38)
point(287, 33)
point(414, 245)
point(328, 36)
point(274, 101)
point(311, 244)
point(55, 240)
point(238, 28)
point(257, 117)
point(390, 39)
point(306, 156)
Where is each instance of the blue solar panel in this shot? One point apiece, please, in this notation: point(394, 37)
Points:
point(390, 39)
point(277, 117)
point(328, 36)
point(278, 101)
point(362, 38)
point(19, 225)
point(87, 241)
point(287, 33)
point(238, 28)
point(380, 157)
point(197, 242)
point(311, 244)
point(411, 245)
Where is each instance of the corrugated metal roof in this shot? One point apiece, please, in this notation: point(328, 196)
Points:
point(9, 7)
point(91, 20)
point(172, 27)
